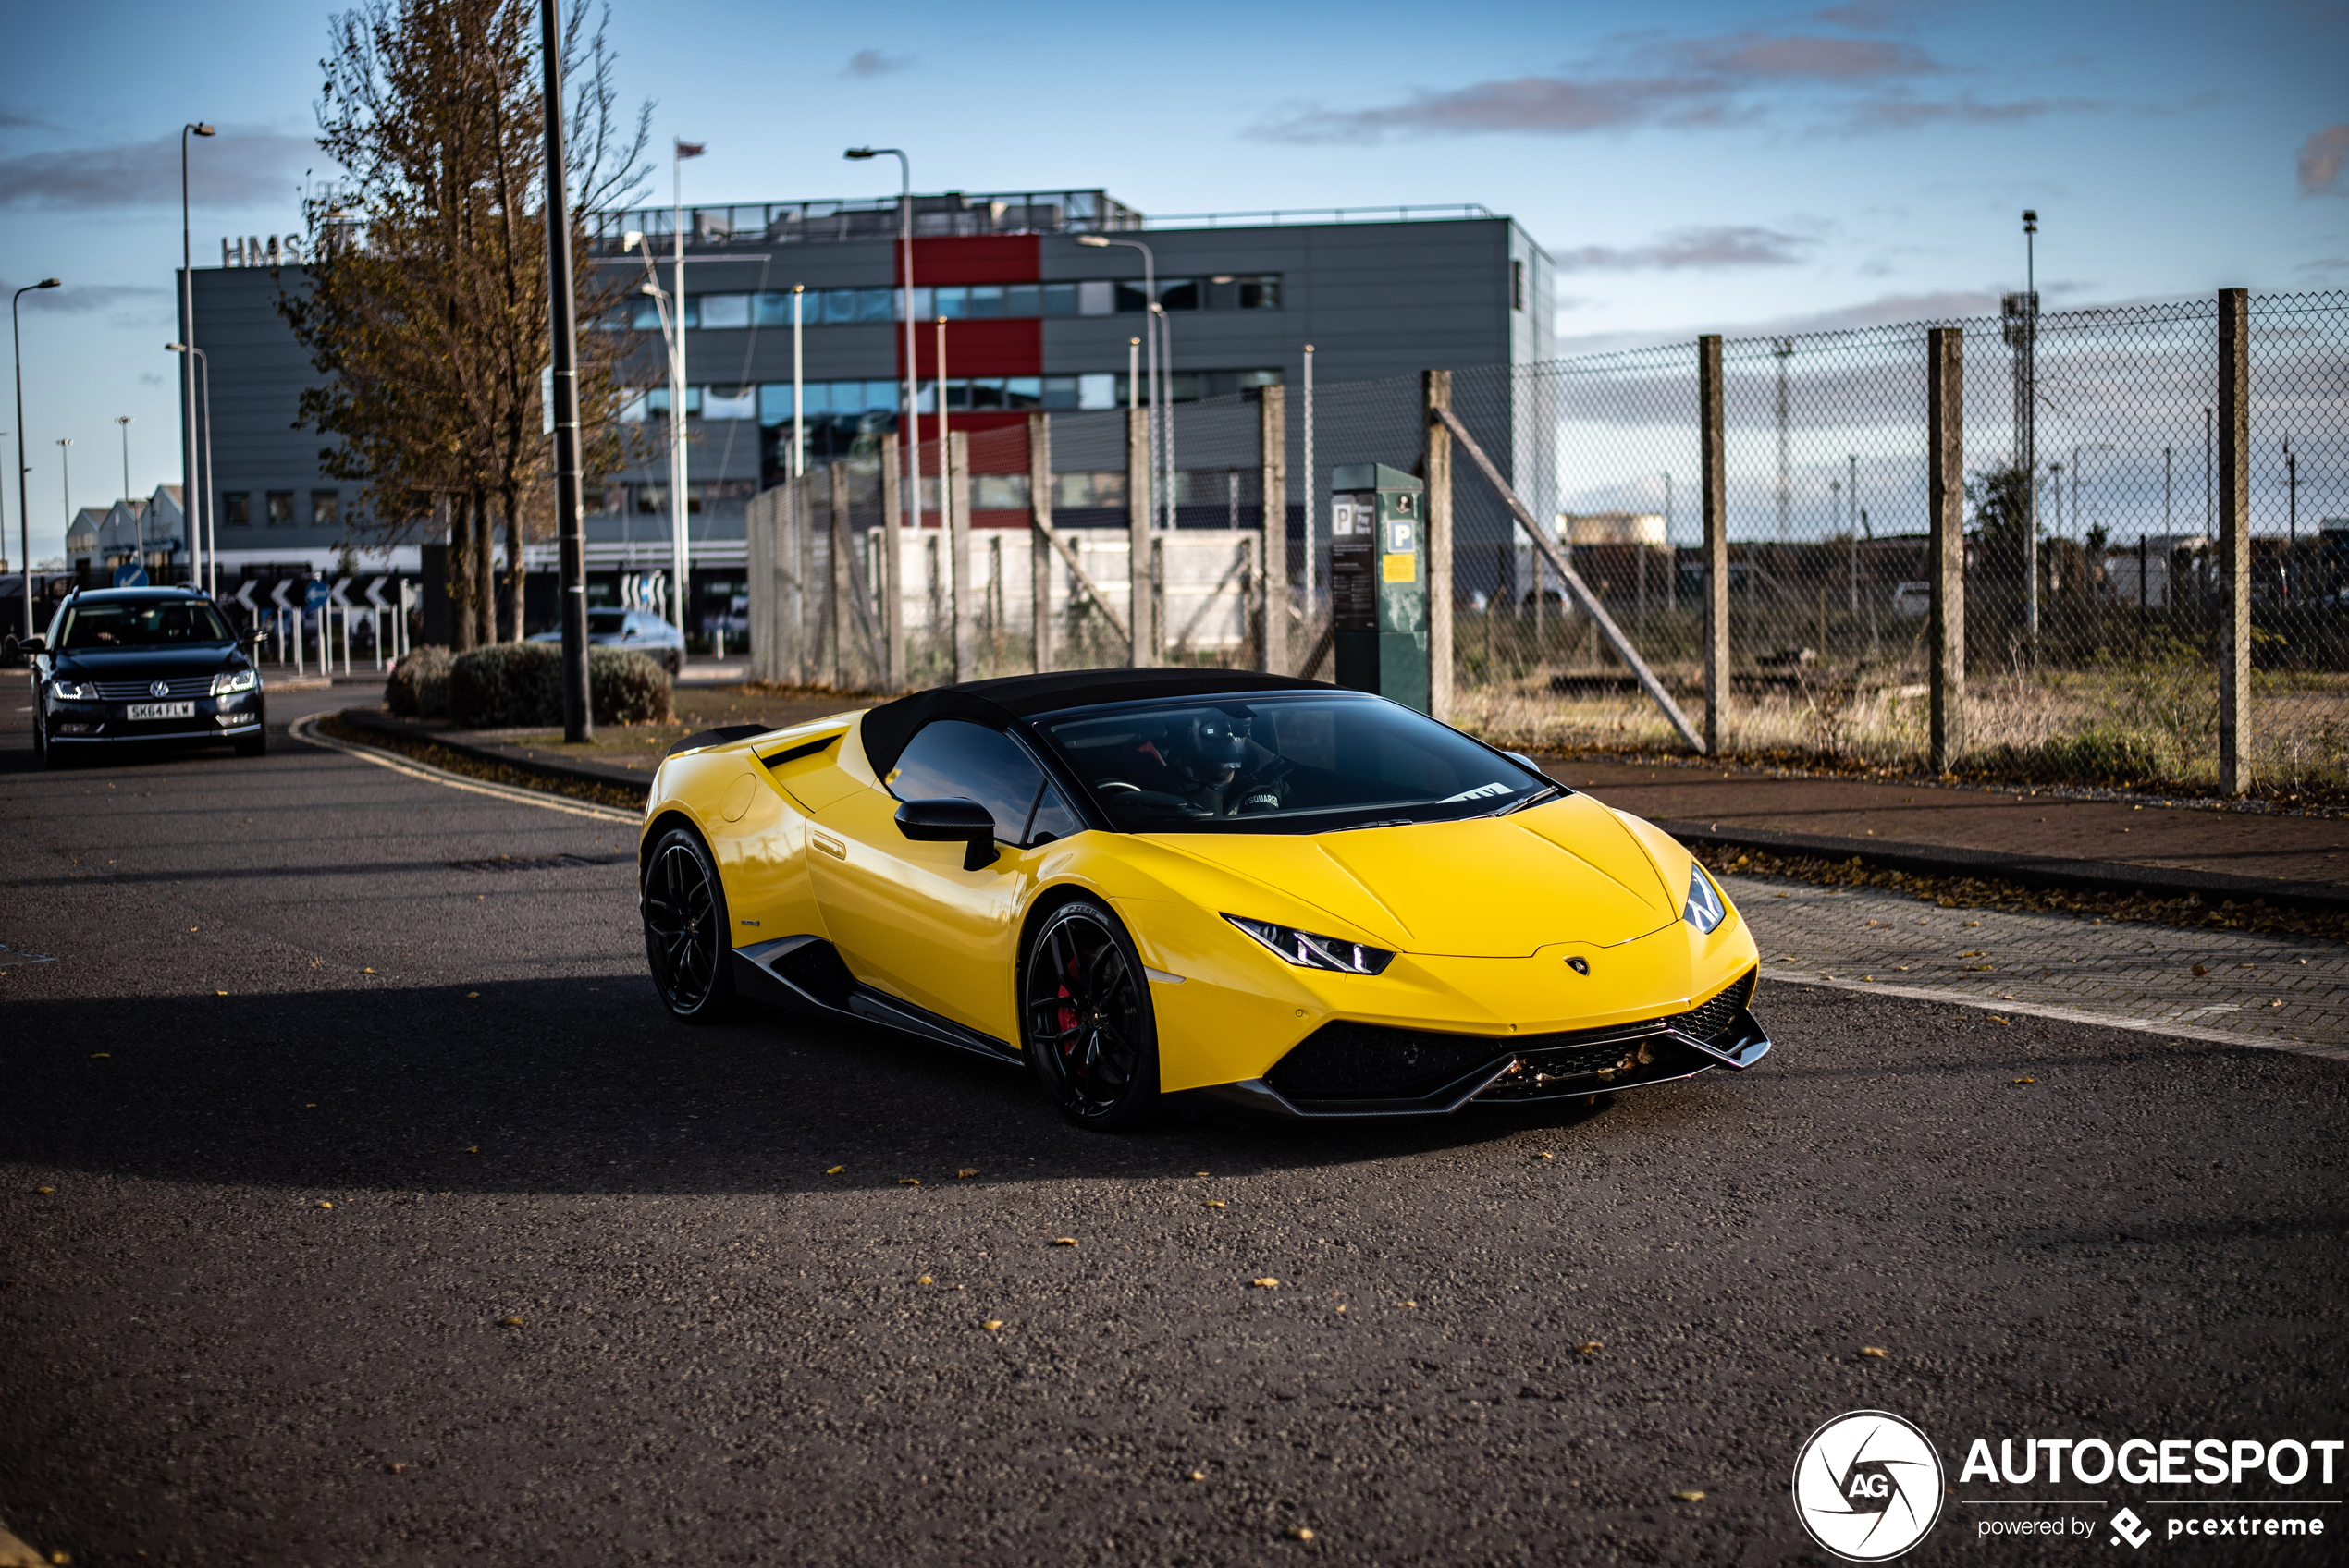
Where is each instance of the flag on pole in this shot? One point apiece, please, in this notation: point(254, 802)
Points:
point(692, 149)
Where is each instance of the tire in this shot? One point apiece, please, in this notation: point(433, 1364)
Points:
point(686, 930)
point(676, 666)
point(1089, 1033)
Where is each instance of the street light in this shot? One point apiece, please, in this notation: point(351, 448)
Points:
point(681, 562)
point(137, 521)
point(189, 489)
point(1150, 304)
point(186, 518)
point(65, 478)
point(906, 284)
point(24, 519)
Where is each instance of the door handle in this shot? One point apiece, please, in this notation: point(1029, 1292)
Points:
point(830, 845)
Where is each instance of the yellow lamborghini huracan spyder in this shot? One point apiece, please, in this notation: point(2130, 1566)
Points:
point(1234, 887)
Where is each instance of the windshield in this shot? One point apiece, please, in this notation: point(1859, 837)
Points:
point(606, 622)
point(143, 623)
point(1282, 765)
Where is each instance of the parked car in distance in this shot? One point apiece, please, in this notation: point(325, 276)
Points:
point(153, 666)
point(1911, 598)
point(640, 629)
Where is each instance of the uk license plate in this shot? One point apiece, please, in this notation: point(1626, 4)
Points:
point(137, 711)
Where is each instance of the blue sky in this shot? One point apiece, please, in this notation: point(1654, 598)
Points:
point(1718, 168)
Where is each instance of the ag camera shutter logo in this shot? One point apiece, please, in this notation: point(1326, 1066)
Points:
point(1868, 1485)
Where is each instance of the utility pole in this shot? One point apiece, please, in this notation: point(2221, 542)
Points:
point(138, 523)
point(679, 553)
point(2291, 516)
point(579, 715)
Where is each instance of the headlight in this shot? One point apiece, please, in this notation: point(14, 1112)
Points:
point(234, 680)
point(73, 690)
point(1707, 908)
point(1308, 950)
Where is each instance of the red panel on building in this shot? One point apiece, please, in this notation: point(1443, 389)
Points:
point(989, 258)
point(978, 347)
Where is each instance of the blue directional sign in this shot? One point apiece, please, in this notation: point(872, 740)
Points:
point(315, 595)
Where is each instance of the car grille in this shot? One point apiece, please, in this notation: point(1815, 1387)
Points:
point(1345, 1061)
point(144, 691)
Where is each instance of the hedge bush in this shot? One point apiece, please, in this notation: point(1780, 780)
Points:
point(512, 684)
point(419, 684)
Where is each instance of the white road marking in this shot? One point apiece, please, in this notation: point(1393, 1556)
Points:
point(306, 731)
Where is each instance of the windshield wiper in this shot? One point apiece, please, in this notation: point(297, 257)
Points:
point(1383, 822)
point(1538, 796)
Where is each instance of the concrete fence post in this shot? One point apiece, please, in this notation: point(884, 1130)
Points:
point(810, 601)
point(1435, 388)
point(1945, 499)
point(2234, 539)
point(1272, 445)
point(1139, 619)
point(884, 577)
point(1714, 500)
point(1039, 538)
point(958, 551)
point(842, 591)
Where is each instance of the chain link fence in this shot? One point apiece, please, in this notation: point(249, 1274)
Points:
point(2091, 657)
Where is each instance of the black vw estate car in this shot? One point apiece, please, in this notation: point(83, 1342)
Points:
point(157, 665)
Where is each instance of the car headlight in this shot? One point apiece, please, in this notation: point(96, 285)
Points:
point(1308, 950)
point(1707, 908)
point(73, 690)
point(234, 680)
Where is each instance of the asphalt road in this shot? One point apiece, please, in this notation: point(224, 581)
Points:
point(590, 1291)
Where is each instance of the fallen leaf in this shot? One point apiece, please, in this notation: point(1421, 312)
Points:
point(962, 1174)
point(1198, 1173)
point(371, 972)
point(923, 1281)
point(1876, 1351)
point(1199, 1475)
point(1216, 1203)
point(1592, 1347)
point(2201, 970)
point(909, 1181)
point(1299, 1532)
point(2026, 1080)
point(324, 1204)
point(100, 1056)
point(472, 1148)
point(1545, 1154)
point(992, 1324)
point(1406, 1304)
point(1690, 1497)
point(219, 993)
point(1064, 1241)
point(399, 1469)
point(835, 1170)
point(1265, 1284)
point(1341, 1306)
point(1996, 1019)
point(471, 994)
point(510, 1322)
point(45, 1191)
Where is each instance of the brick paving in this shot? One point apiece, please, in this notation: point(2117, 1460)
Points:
point(2262, 989)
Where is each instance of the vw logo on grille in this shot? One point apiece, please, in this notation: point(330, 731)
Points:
point(160, 689)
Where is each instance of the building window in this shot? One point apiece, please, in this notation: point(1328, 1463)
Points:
point(718, 312)
point(236, 509)
point(1517, 286)
point(1179, 294)
point(1260, 293)
point(1098, 391)
point(1097, 298)
point(281, 509)
point(730, 402)
point(325, 507)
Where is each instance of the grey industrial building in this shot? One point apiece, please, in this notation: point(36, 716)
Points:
point(1037, 321)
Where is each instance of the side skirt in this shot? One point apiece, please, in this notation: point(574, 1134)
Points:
point(806, 975)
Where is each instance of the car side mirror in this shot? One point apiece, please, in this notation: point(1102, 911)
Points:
point(1524, 761)
point(953, 820)
point(32, 645)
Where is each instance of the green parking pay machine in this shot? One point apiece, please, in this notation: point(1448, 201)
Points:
point(1378, 581)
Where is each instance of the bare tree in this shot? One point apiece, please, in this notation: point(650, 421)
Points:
point(425, 299)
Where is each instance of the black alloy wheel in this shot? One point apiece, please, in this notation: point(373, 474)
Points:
point(686, 931)
point(1091, 1035)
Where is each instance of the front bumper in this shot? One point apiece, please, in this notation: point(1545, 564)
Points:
point(238, 716)
point(1341, 1074)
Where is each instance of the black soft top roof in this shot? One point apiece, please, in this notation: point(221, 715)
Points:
point(997, 702)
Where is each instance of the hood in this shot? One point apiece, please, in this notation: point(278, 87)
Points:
point(1497, 887)
point(132, 664)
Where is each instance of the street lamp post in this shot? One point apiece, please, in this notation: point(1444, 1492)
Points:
point(187, 516)
point(65, 479)
point(137, 521)
point(24, 518)
point(681, 564)
point(1150, 304)
point(913, 442)
point(187, 470)
point(579, 709)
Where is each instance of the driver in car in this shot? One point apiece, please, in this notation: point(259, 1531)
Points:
point(1209, 764)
